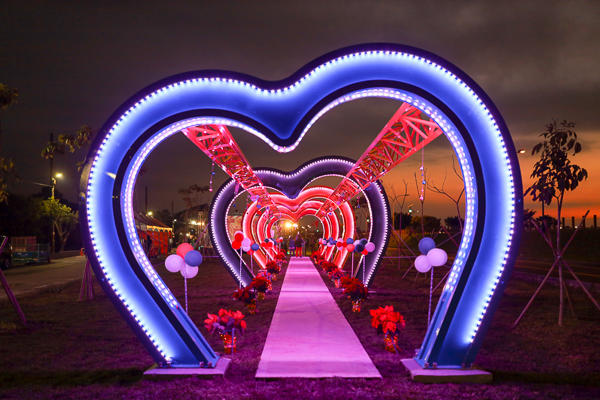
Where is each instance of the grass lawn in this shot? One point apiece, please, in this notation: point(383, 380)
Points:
point(86, 351)
point(583, 248)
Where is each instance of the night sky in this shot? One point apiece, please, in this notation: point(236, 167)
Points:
point(74, 63)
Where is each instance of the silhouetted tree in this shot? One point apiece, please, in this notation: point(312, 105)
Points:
point(429, 223)
point(8, 172)
point(454, 223)
point(554, 175)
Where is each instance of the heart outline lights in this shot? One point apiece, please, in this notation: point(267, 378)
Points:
point(281, 113)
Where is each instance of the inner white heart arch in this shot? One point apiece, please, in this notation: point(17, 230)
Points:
point(281, 113)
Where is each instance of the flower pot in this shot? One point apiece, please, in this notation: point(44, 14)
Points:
point(338, 283)
point(390, 342)
point(252, 306)
point(260, 295)
point(229, 344)
point(356, 305)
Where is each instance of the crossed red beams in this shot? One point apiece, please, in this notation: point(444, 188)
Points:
point(402, 136)
point(407, 132)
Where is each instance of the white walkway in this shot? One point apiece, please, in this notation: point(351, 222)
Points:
point(309, 336)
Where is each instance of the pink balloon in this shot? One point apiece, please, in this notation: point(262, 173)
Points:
point(183, 249)
point(188, 271)
point(370, 247)
point(246, 242)
point(350, 247)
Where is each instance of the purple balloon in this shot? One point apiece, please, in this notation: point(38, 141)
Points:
point(370, 247)
point(174, 263)
point(193, 258)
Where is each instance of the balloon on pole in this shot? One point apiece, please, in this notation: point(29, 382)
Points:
point(426, 244)
point(174, 263)
point(422, 264)
point(437, 257)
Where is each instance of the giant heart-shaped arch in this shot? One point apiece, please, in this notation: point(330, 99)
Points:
point(292, 186)
point(281, 113)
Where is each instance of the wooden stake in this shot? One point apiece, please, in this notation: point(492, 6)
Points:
point(9, 292)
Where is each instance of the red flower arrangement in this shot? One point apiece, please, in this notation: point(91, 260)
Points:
point(273, 268)
point(354, 289)
point(246, 295)
point(336, 274)
point(388, 322)
point(225, 322)
point(328, 266)
point(280, 256)
point(260, 284)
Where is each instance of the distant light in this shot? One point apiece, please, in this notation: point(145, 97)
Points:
point(149, 213)
point(521, 151)
point(59, 175)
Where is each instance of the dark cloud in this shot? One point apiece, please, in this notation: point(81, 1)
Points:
point(76, 62)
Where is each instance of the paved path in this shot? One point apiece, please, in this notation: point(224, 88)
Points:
point(309, 336)
point(30, 279)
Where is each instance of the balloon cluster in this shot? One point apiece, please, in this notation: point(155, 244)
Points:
point(244, 243)
point(268, 243)
point(362, 246)
point(430, 257)
point(185, 261)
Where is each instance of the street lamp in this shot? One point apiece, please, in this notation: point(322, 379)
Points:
point(58, 175)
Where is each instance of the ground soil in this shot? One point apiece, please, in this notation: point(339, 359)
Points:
point(86, 351)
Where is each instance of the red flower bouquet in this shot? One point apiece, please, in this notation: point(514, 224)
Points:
point(354, 289)
point(260, 284)
point(388, 322)
point(273, 268)
point(248, 297)
point(225, 322)
point(336, 274)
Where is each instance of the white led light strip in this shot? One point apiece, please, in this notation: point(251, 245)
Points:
point(429, 110)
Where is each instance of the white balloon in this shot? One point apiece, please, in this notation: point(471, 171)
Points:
point(189, 272)
point(246, 248)
point(437, 257)
point(422, 264)
point(246, 242)
point(174, 263)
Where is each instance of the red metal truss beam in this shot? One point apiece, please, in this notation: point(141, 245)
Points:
point(219, 145)
point(406, 133)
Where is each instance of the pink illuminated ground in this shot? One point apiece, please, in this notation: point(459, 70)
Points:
point(309, 336)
